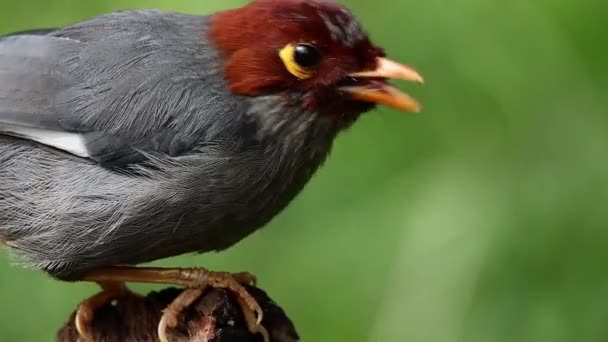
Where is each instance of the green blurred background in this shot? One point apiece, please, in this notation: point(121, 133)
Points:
point(482, 219)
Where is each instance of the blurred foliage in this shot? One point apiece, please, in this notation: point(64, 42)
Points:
point(482, 219)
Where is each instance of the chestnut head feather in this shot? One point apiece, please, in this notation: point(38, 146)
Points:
point(311, 47)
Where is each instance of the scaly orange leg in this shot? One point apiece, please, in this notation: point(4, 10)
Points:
point(194, 280)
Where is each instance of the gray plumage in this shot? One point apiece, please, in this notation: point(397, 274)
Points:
point(164, 160)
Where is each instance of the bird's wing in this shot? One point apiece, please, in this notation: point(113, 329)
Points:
point(113, 88)
point(30, 80)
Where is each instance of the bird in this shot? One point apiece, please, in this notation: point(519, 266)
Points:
point(143, 134)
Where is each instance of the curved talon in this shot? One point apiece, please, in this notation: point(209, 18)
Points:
point(83, 319)
point(86, 310)
point(162, 329)
point(249, 306)
point(171, 312)
point(257, 327)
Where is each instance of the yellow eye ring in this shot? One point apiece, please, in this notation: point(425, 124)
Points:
point(300, 59)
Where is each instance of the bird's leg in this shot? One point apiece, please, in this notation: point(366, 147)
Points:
point(86, 310)
point(195, 281)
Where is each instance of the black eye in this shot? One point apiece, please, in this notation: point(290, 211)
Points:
point(306, 55)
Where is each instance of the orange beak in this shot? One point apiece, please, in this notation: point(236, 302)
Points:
point(382, 92)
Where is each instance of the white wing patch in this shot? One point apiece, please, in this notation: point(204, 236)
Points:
point(73, 143)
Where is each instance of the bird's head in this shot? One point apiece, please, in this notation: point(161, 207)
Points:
point(312, 48)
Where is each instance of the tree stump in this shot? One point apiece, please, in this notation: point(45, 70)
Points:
point(215, 317)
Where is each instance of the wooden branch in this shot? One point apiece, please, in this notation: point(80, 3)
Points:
point(215, 317)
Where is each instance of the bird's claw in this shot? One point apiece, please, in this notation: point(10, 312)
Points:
point(196, 281)
point(83, 320)
point(86, 309)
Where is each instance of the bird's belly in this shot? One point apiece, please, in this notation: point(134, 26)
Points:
point(76, 217)
point(232, 216)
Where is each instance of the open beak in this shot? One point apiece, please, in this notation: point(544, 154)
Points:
point(376, 90)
